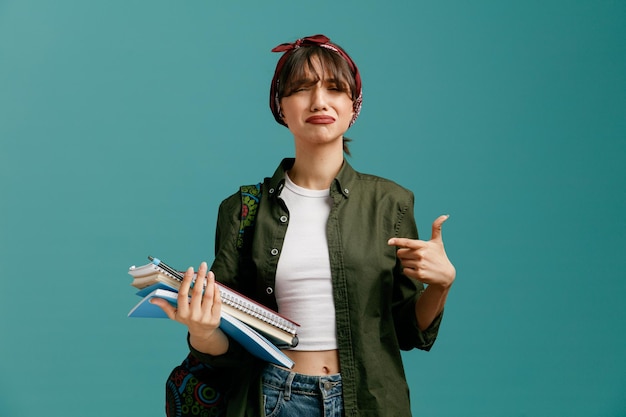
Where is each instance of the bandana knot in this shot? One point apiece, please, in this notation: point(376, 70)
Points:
point(319, 40)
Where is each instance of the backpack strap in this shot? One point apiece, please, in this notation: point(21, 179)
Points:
point(193, 388)
point(250, 197)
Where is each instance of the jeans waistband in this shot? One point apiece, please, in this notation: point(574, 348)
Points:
point(284, 379)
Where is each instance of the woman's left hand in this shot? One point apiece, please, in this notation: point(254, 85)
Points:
point(426, 261)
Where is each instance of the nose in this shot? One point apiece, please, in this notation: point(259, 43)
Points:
point(319, 98)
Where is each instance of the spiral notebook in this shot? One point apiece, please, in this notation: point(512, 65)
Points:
point(157, 275)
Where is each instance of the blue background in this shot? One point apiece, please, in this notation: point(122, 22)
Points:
point(124, 123)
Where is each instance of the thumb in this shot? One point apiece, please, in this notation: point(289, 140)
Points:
point(437, 224)
point(169, 309)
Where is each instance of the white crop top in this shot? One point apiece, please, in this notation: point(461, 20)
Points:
point(304, 290)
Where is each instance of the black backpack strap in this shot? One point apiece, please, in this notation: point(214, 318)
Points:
point(250, 197)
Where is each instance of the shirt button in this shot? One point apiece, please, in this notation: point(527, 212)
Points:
point(269, 290)
point(345, 190)
point(271, 191)
point(283, 219)
point(274, 251)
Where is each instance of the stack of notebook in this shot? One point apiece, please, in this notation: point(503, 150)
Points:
point(259, 329)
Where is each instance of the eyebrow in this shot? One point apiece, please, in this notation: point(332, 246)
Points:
point(310, 81)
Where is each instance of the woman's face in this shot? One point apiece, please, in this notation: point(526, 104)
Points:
point(319, 109)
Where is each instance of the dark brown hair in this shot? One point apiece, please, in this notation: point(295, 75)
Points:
point(300, 62)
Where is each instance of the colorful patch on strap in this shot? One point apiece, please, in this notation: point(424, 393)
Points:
point(189, 393)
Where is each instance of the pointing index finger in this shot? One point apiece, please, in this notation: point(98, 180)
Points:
point(402, 242)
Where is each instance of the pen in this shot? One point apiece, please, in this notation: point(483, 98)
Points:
point(167, 268)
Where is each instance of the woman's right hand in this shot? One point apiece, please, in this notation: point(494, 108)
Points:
point(200, 312)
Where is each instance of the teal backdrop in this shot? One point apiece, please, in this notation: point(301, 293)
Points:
point(123, 124)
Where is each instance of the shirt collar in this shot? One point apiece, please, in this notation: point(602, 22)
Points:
point(342, 183)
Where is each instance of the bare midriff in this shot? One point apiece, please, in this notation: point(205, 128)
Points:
point(322, 362)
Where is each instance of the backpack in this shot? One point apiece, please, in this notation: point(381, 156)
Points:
point(194, 388)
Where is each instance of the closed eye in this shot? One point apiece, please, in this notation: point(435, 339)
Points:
point(334, 85)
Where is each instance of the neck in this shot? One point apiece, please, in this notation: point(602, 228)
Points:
point(316, 170)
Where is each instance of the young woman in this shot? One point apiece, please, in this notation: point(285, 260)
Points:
point(333, 249)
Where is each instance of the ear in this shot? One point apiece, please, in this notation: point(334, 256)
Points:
point(280, 111)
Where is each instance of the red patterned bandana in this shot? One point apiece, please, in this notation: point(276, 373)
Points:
point(315, 40)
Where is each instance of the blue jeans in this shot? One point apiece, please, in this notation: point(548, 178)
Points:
point(288, 394)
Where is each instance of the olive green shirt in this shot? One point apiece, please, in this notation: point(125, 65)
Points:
point(374, 300)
